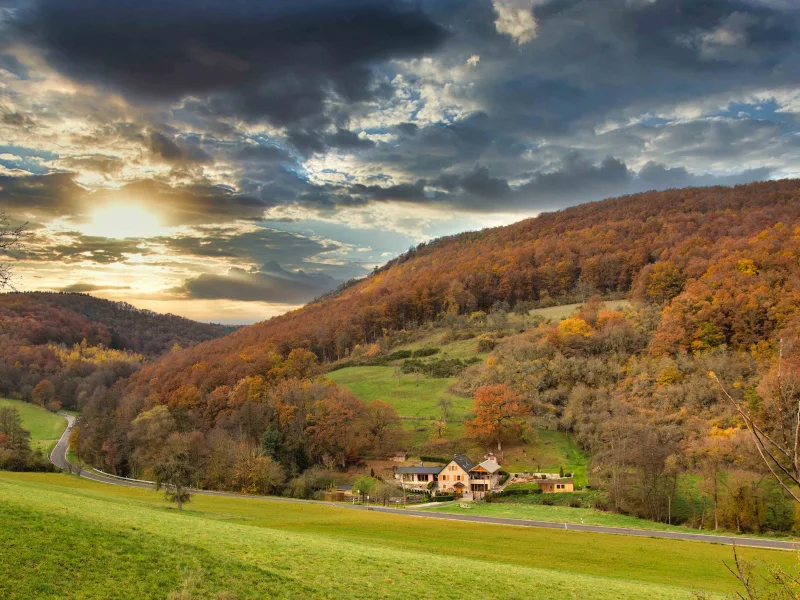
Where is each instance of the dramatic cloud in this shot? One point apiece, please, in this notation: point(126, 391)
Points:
point(269, 284)
point(280, 59)
point(218, 154)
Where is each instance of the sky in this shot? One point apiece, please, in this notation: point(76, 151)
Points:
point(229, 161)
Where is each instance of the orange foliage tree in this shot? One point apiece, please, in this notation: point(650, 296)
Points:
point(499, 414)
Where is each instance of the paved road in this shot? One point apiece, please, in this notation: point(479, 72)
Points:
point(59, 458)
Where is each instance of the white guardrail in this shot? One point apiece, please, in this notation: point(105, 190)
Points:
point(104, 474)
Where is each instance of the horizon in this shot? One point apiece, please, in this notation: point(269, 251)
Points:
point(229, 163)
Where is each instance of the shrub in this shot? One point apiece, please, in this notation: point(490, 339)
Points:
point(547, 501)
point(436, 459)
point(443, 498)
point(485, 344)
point(424, 352)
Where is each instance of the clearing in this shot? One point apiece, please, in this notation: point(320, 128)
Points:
point(45, 427)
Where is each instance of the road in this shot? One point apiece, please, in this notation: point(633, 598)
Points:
point(59, 458)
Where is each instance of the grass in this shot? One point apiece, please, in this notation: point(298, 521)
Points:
point(411, 398)
point(462, 349)
point(567, 514)
point(556, 514)
point(69, 538)
point(556, 313)
point(551, 451)
point(44, 426)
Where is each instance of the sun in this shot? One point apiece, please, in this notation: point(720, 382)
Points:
point(121, 221)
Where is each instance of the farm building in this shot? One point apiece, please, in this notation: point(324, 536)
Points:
point(556, 486)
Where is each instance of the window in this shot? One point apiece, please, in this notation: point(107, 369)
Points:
point(458, 477)
point(444, 477)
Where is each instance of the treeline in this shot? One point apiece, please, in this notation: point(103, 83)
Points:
point(259, 431)
point(64, 348)
point(15, 445)
point(43, 317)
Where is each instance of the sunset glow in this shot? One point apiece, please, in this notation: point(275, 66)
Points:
point(124, 221)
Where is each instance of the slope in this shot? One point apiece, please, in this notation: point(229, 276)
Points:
point(86, 537)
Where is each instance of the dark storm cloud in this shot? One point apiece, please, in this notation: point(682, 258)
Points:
point(271, 283)
point(50, 195)
point(172, 152)
point(259, 246)
point(575, 180)
point(281, 59)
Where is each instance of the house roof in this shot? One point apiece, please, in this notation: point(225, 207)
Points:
point(420, 470)
point(459, 484)
point(559, 480)
point(490, 466)
point(464, 462)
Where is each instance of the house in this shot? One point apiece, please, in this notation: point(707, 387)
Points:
point(484, 477)
point(460, 477)
point(556, 486)
point(417, 478)
point(454, 478)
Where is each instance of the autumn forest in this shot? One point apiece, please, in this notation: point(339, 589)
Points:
point(648, 389)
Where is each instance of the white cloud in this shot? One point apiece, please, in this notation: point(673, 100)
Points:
point(515, 19)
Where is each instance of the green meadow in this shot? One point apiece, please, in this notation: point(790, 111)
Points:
point(411, 397)
point(69, 538)
point(44, 426)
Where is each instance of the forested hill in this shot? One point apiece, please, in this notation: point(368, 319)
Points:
point(730, 254)
point(713, 279)
point(61, 318)
point(61, 349)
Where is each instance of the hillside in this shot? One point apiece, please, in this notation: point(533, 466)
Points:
point(108, 537)
point(61, 318)
point(601, 247)
point(523, 330)
point(63, 347)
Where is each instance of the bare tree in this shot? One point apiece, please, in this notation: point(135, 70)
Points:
point(775, 431)
point(10, 238)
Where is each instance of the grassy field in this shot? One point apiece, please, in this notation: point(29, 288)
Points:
point(566, 514)
point(555, 514)
point(69, 538)
point(45, 427)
